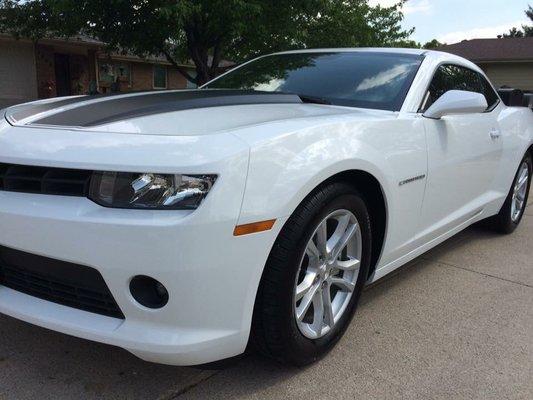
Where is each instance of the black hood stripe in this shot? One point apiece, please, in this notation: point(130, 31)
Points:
point(25, 111)
point(124, 108)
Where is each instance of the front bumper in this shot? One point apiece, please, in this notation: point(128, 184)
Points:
point(211, 276)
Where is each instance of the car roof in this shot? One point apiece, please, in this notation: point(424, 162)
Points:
point(436, 56)
point(392, 50)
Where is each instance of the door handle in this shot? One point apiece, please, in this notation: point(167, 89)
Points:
point(495, 133)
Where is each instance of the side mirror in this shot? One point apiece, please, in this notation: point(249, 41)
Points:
point(457, 102)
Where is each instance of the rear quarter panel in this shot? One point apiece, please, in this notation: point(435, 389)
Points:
point(516, 125)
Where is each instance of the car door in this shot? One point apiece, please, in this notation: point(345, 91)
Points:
point(464, 152)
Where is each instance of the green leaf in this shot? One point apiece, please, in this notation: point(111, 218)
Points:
point(208, 31)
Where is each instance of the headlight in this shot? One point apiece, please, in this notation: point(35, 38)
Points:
point(149, 191)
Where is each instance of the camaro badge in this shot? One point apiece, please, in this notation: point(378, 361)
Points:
point(416, 178)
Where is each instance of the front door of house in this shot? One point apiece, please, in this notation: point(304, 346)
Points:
point(62, 72)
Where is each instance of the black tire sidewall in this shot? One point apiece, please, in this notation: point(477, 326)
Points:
point(507, 225)
point(300, 349)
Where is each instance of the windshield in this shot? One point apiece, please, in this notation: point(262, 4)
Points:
point(356, 79)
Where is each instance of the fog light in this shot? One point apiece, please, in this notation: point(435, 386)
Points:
point(148, 292)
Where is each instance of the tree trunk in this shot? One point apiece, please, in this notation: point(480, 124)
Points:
point(204, 71)
point(199, 53)
point(180, 69)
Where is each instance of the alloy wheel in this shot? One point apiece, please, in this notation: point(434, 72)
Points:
point(519, 192)
point(328, 273)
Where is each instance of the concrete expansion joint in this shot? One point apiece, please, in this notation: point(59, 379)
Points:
point(446, 264)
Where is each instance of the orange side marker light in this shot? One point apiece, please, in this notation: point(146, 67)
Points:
point(254, 227)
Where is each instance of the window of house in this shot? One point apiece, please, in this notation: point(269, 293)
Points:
point(192, 85)
point(111, 72)
point(122, 72)
point(160, 77)
point(454, 77)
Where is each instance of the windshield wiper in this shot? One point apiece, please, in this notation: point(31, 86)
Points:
point(313, 100)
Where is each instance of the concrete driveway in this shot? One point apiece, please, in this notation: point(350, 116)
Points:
point(455, 324)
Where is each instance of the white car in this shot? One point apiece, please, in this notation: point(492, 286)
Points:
point(184, 225)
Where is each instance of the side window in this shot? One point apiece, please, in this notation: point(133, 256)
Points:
point(454, 77)
point(492, 98)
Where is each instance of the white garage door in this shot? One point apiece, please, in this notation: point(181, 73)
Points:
point(18, 80)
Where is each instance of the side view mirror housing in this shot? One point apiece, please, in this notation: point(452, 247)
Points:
point(455, 102)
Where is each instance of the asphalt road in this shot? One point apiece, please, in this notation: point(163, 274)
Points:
point(455, 324)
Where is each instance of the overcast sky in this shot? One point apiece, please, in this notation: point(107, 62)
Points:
point(451, 21)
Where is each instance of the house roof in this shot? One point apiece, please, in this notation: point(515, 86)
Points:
point(81, 40)
point(87, 41)
point(506, 49)
point(157, 59)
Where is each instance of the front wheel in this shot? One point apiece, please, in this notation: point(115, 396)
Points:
point(314, 276)
point(515, 204)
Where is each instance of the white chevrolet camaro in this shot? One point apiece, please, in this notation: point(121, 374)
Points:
point(184, 225)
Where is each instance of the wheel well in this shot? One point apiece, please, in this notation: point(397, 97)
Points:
point(530, 151)
point(370, 188)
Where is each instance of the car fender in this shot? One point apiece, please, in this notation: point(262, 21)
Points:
point(285, 168)
point(275, 190)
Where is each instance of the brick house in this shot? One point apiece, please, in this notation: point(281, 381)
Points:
point(58, 67)
point(507, 62)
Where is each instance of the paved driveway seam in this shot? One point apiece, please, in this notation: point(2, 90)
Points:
point(202, 377)
point(479, 273)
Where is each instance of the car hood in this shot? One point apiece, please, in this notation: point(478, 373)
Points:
point(173, 113)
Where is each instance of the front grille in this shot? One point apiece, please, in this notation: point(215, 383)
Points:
point(44, 180)
point(57, 281)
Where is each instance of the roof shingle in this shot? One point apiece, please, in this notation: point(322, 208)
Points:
point(507, 49)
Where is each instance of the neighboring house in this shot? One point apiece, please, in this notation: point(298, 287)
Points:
point(507, 62)
point(58, 67)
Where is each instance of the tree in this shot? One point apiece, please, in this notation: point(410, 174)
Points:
point(207, 31)
point(526, 31)
point(514, 33)
point(413, 44)
point(407, 44)
point(434, 44)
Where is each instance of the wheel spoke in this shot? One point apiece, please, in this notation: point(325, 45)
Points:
point(328, 308)
point(516, 208)
point(349, 265)
point(522, 185)
point(523, 179)
point(312, 251)
point(306, 302)
point(322, 238)
point(341, 243)
point(342, 284)
point(303, 288)
point(342, 225)
point(318, 316)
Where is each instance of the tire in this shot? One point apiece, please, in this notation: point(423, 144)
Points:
point(276, 333)
point(506, 221)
